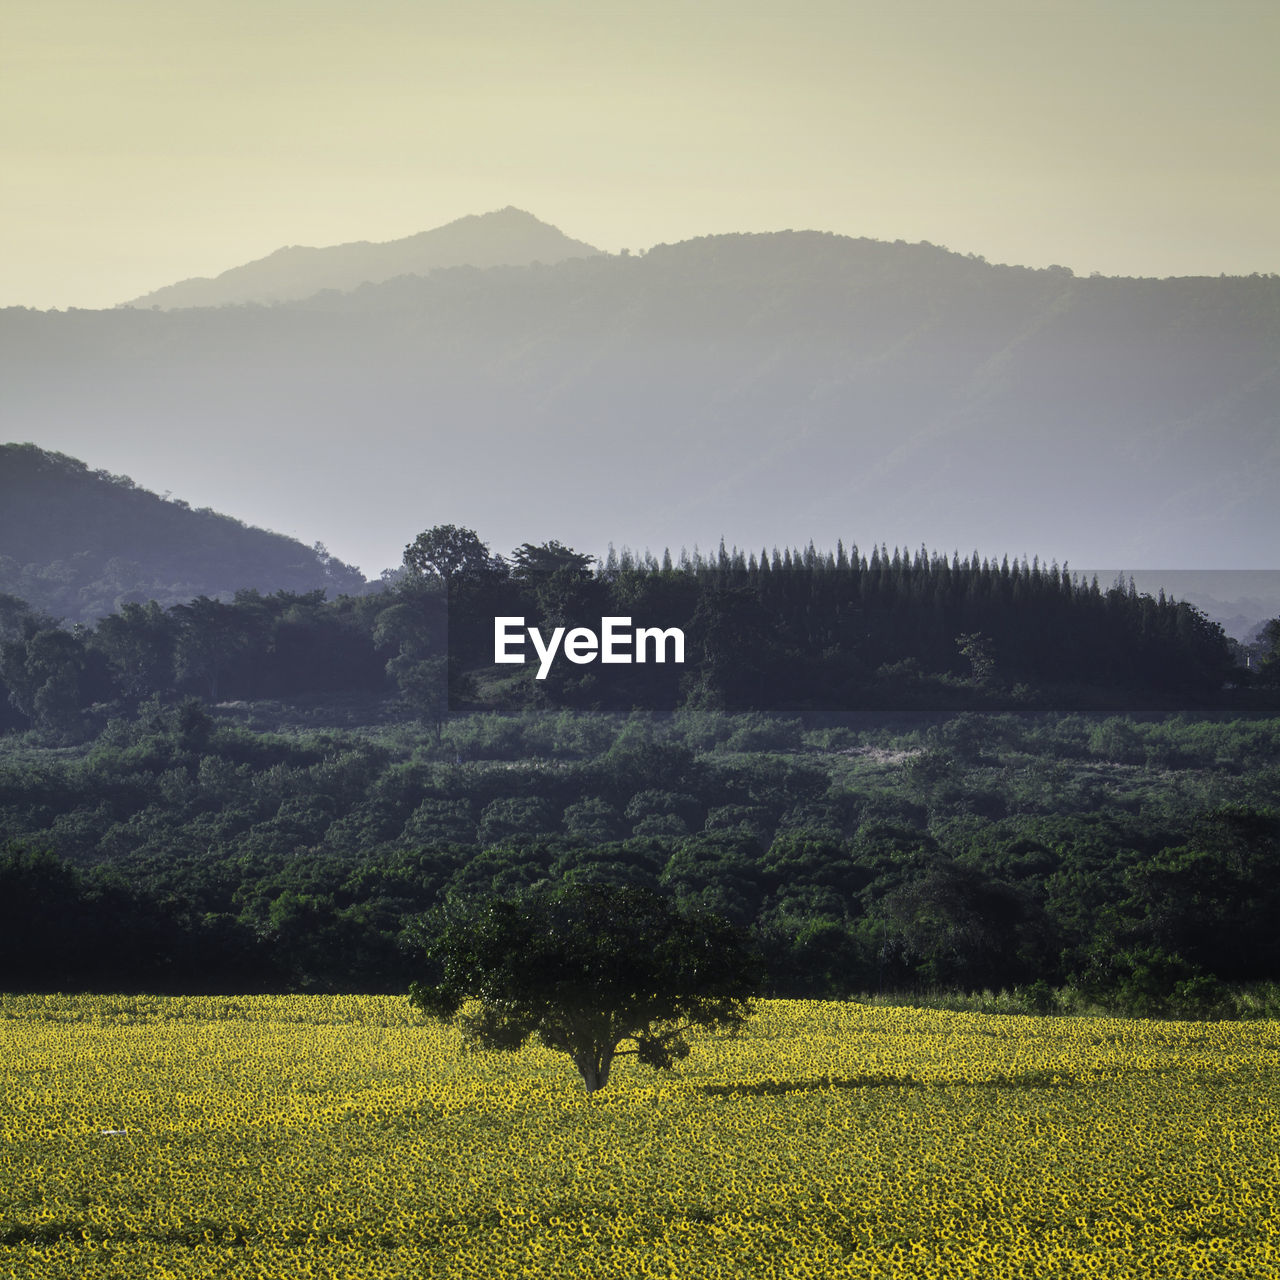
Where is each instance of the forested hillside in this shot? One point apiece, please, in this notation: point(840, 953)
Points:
point(79, 544)
point(1133, 863)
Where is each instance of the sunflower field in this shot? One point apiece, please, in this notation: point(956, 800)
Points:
point(341, 1137)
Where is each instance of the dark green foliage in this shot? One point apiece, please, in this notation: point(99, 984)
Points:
point(139, 644)
point(61, 929)
point(957, 927)
point(453, 554)
point(513, 818)
point(540, 564)
point(1269, 645)
point(586, 968)
point(1214, 900)
point(593, 820)
point(983, 851)
point(814, 956)
point(43, 673)
point(1140, 982)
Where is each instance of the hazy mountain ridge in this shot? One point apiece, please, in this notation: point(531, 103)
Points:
point(503, 238)
point(78, 543)
point(750, 385)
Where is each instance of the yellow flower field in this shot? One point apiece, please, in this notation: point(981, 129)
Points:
point(340, 1137)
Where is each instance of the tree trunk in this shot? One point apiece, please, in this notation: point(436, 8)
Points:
point(594, 1067)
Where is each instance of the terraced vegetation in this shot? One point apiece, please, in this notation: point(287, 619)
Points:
point(337, 1136)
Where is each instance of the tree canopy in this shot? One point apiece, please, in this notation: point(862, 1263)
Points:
point(531, 563)
point(450, 551)
point(586, 968)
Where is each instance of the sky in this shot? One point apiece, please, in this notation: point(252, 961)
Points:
point(148, 141)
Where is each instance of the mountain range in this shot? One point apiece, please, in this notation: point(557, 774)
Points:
point(506, 237)
point(764, 388)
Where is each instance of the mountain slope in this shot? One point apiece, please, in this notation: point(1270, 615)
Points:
point(507, 237)
point(760, 387)
point(78, 543)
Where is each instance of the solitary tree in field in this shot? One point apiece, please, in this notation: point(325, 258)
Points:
point(594, 971)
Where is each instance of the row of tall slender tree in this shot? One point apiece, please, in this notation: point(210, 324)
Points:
point(797, 629)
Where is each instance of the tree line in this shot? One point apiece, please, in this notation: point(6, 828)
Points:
point(796, 630)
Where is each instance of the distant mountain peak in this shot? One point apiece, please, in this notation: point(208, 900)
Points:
point(504, 237)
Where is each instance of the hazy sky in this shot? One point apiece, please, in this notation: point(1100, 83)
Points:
point(146, 141)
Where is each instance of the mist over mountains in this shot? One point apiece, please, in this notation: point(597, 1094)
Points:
point(78, 544)
point(767, 388)
point(506, 237)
